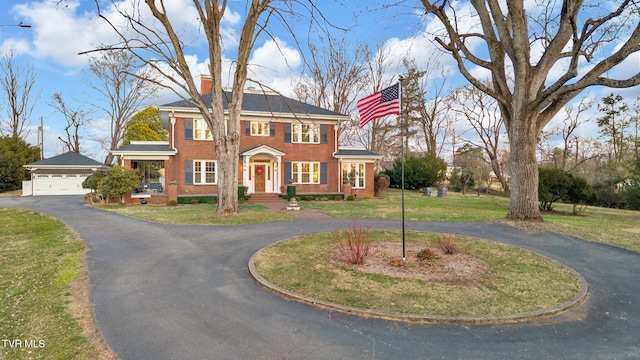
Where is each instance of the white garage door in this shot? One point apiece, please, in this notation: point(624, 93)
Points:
point(59, 184)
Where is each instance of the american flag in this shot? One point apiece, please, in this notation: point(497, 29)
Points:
point(379, 104)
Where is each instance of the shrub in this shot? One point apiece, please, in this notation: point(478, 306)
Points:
point(118, 181)
point(172, 203)
point(396, 262)
point(380, 182)
point(556, 185)
point(195, 202)
point(426, 255)
point(353, 243)
point(351, 197)
point(449, 244)
point(631, 196)
point(419, 172)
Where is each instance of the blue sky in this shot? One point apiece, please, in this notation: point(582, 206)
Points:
point(59, 33)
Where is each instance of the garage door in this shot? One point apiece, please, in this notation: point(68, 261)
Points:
point(59, 184)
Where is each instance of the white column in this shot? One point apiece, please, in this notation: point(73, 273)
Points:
point(245, 173)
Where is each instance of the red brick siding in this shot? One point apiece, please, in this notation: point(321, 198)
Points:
point(204, 150)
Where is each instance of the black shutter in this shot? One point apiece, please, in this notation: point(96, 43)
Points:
point(247, 128)
point(272, 129)
point(287, 172)
point(188, 172)
point(287, 132)
point(323, 134)
point(323, 173)
point(188, 128)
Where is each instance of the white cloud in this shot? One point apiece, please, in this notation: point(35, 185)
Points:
point(274, 64)
point(60, 33)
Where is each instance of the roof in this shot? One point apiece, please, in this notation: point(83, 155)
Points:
point(146, 148)
point(356, 153)
point(149, 146)
point(259, 101)
point(67, 160)
point(261, 148)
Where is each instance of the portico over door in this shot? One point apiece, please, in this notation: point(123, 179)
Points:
point(262, 167)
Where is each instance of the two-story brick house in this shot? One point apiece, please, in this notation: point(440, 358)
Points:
point(283, 141)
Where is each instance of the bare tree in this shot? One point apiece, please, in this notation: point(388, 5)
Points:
point(434, 119)
point(75, 120)
point(122, 89)
point(482, 113)
point(17, 84)
point(336, 76)
point(157, 39)
point(566, 129)
point(529, 45)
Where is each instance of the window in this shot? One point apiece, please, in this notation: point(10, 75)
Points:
point(305, 133)
point(353, 173)
point(305, 172)
point(204, 172)
point(260, 128)
point(201, 130)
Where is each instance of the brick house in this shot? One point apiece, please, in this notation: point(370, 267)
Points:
point(283, 141)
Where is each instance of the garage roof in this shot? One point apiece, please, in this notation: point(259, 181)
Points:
point(67, 160)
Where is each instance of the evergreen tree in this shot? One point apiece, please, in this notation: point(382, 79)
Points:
point(14, 154)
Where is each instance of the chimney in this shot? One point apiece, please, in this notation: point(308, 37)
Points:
point(206, 84)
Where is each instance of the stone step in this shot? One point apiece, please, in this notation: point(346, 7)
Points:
point(266, 197)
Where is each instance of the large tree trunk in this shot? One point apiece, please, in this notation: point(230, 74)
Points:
point(227, 154)
point(523, 204)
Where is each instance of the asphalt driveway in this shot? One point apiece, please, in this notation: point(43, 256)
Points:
point(184, 292)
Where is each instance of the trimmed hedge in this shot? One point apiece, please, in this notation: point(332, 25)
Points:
point(199, 199)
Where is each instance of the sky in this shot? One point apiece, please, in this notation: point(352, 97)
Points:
point(59, 32)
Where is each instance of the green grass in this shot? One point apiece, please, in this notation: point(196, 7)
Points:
point(610, 226)
point(453, 207)
point(200, 214)
point(522, 281)
point(39, 259)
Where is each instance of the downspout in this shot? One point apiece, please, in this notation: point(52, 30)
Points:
point(173, 129)
point(335, 151)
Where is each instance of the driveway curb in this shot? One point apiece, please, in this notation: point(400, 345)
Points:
point(580, 297)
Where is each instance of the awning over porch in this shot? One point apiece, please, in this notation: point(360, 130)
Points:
point(146, 150)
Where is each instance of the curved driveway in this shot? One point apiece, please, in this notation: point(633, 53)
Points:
point(184, 292)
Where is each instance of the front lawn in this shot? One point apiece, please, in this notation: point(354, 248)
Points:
point(610, 226)
point(201, 214)
point(44, 311)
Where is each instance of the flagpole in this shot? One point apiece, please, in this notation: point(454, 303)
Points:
point(400, 79)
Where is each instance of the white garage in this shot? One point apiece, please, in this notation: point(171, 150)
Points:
point(60, 175)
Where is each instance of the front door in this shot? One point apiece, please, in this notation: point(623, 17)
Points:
point(259, 178)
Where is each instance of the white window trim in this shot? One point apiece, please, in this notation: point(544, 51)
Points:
point(296, 133)
point(355, 164)
point(267, 128)
point(203, 130)
point(297, 177)
point(203, 172)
